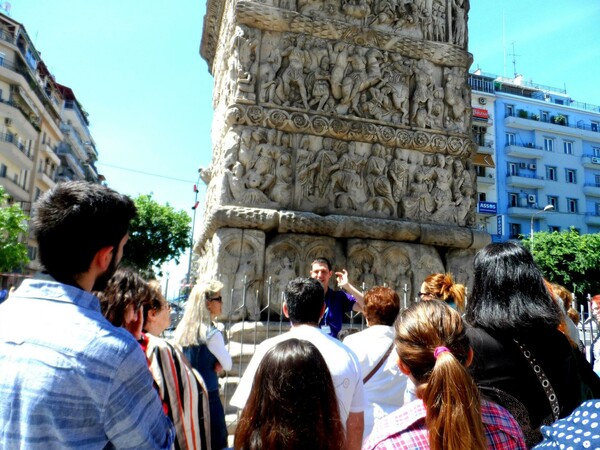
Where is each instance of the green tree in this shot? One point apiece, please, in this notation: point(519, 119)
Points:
point(13, 226)
point(570, 259)
point(158, 234)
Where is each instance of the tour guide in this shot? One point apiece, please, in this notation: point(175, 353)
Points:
point(336, 302)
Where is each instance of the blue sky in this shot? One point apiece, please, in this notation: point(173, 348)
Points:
point(135, 67)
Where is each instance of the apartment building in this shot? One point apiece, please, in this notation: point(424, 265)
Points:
point(547, 156)
point(44, 136)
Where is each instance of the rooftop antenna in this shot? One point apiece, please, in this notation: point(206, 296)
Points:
point(504, 41)
point(514, 60)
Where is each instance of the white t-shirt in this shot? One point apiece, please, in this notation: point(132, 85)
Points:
point(342, 363)
point(384, 392)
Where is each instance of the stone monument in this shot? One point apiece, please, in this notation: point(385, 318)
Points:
point(341, 129)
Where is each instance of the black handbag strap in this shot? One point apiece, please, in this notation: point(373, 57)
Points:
point(544, 381)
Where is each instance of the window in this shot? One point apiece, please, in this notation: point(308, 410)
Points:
point(513, 200)
point(597, 180)
point(515, 230)
point(511, 138)
point(38, 192)
point(553, 200)
point(2, 56)
point(482, 196)
point(572, 205)
point(595, 126)
point(3, 171)
point(549, 144)
point(568, 147)
point(509, 110)
point(551, 173)
point(31, 252)
point(598, 209)
point(596, 152)
point(544, 116)
point(512, 169)
point(480, 171)
point(570, 176)
point(553, 229)
point(479, 135)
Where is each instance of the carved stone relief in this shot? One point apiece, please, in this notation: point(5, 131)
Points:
point(400, 266)
point(342, 129)
point(240, 266)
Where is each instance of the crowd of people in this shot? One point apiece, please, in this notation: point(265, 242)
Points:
point(86, 368)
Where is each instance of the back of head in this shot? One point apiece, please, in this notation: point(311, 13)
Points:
point(304, 299)
point(292, 404)
point(192, 327)
point(126, 287)
point(443, 287)
point(431, 342)
point(509, 293)
point(76, 219)
point(382, 306)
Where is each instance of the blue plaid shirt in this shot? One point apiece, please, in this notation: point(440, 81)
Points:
point(71, 380)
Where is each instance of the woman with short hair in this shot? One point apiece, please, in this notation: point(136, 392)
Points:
point(384, 383)
point(292, 404)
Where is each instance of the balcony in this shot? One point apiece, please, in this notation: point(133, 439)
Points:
point(525, 181)
point(590, 162)
point(591, 189)
point(523, 211)
point(487, 148)
point(487, 180)
point(529, 151)
point(15, 151)
point(47, 179)
point(580, 129)
point(592, 219)
point(14, 190)
point(74, 140)
point(50, 153)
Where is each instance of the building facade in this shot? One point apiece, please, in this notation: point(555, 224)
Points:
point(547, 156)
point(43, 129)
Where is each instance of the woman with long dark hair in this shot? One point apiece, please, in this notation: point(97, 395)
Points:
point(292, 404)
point(448, 414)
point(522, 361)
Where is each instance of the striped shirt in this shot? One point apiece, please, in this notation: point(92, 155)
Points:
point(405, 429)
point(182, 389)
point(71, 380)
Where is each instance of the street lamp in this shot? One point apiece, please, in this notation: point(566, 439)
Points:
point(546, 208)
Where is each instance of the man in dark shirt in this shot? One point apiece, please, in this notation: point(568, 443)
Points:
point(336, 302)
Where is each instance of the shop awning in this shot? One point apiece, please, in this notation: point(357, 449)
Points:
point(481, 159)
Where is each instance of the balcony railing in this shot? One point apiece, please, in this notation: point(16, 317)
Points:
point(35, 122)
point(579, 125)
point(8, 137)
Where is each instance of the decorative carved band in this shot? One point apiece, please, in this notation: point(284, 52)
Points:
point(351, 130)
point(339, 226)
point(269, 18)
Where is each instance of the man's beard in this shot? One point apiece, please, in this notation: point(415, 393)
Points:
point(102, 280)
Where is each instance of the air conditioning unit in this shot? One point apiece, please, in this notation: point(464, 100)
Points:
point(595, 160)
point(532, 166)
point(522, 165)
point(482, 100)
point(532, 198)
point(8, 121)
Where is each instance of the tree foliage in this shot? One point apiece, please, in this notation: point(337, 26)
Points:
point(158, 234)
point(569, 259)
point(13, 226)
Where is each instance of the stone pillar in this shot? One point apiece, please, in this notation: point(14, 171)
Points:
point(341, 129)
